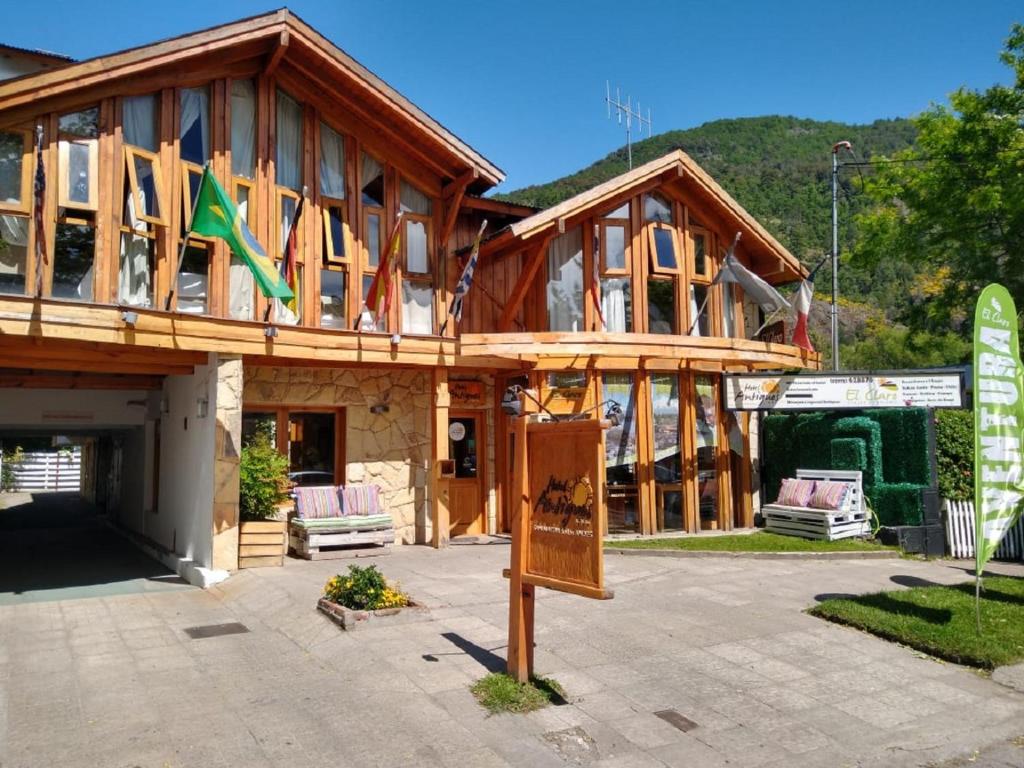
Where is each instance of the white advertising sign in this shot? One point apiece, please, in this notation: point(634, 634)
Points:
point(809, 392)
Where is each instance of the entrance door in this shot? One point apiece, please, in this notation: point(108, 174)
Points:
point(466, 489)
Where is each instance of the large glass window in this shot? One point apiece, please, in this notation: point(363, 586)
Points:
point(417, 273)
point(700, 322)
point(78, 160)
point(668, 464)
point(14, 194)
point(13, 253)
point(74, 251)
point(194, 280)
point(332, 298)
point(565, 282)
point(332, 163)
point(288, 158)
point(194, 141)
point(242, 295)
point(311, 448)
point(706, 440)
point(140, 121)
point(612, 234)
point(621, 454)
point(243, 128)
point(661, 305)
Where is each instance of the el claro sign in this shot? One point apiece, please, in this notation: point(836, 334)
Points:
point(809, 392)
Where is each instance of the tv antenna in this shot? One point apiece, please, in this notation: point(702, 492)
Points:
point(630, 114)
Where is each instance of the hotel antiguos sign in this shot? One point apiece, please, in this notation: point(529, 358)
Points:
point(840, 391)
point(566, 505)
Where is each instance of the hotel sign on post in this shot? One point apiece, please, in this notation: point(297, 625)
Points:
point(557, 522)
point(809, 392)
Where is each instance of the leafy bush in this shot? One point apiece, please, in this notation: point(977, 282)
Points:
point(263, 480)
point(954, 444)
point(364, 589)
point(849, 453)
point(897, 503)
point(8, 463)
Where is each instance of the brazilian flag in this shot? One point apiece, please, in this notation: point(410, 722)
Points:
point(215, 215)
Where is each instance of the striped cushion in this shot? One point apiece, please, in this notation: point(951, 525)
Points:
point(795, 492)
point(361, 500)
point(348, 522)
point(829, 495)
point(318, 501)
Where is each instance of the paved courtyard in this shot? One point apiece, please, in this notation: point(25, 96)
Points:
point(114, 680)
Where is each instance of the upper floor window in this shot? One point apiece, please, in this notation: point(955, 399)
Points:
point(78, 159)
point(243, 128)
point(417, 271)
point(371, 192)
point(288, 158)
point(612, 233)
point(194, 140)
point(15, 197)
point(700, 277)
point(143, 207)
point(565, 282)
point(662, 244)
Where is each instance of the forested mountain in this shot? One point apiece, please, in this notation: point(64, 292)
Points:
point(779, 169)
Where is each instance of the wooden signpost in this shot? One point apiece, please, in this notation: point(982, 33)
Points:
point(558, 521)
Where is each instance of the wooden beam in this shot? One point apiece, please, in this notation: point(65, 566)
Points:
point(77, 381)
point(278, 50)
point(453, 201)
point(515, 299)
point(458, 186)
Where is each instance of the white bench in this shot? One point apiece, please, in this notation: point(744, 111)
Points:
point(827, 524)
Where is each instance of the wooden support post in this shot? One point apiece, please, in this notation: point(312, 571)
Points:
point(520, 595)
point(439, 451)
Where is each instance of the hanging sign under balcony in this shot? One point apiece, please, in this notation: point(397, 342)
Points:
point(839, 391)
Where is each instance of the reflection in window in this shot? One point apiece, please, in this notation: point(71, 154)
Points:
point(241, 293)
point(12, 157)
point(139, 121)
point(616, 304)
point(288, 158)
point(74, 251)
point(311, 448)
point(621, 454)
point(332, 298)
point(668, 466)
point(243, 128)
point(194, 140)
point(194, 281)
point(417, 307)
point(259, 425)
point(13, 253)
point(464, 449)
point(706, 403)
point(372, 179)
point(700, 254)
point(664, 242)
point(334, 234)
point(657, 208)
point(661, 306)
point(699, 311)
point(565, 282)
point(78, 151)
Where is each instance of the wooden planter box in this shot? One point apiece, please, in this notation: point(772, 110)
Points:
point(262, 543)
point(349, 619)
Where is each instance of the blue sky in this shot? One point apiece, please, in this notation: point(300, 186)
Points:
point(524, 82)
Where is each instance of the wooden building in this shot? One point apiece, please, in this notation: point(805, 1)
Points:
point(175, 363)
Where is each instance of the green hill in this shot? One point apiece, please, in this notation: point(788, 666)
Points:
point(778, 168)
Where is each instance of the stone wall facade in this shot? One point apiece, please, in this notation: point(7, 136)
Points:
point(390, 448)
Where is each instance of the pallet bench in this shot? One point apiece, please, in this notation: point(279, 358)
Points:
point(825, 524)
point(342, 536)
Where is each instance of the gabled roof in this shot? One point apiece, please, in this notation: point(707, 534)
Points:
point(675, 166)
point(275, 30)
point(35, 54)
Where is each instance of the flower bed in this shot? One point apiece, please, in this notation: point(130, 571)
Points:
point(352, 600)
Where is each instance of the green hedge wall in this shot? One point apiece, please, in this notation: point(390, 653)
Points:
point(849, 453)
point(954, 448)
point(890, 446)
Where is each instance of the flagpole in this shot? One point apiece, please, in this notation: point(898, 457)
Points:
point(184, 242)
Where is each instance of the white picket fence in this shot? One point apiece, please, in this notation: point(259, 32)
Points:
point(49, 471)
point(959, 517)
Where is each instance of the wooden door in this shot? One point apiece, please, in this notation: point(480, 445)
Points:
point(466, 441)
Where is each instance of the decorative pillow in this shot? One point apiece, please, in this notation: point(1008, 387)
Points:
point(362, 500)
point(829, 495)
point(315, 502)
point(795, 492)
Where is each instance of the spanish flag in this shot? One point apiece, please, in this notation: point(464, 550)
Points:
point(215, 215)
point(380, 289)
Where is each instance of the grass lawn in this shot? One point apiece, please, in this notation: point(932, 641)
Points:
point(497, 692)
point(940, 620)
point(749, 542)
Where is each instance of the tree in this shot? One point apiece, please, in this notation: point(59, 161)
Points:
point(895, 347)
point(954, 205)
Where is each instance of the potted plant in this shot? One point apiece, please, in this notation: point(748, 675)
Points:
point(352, 599)
point(263, 502)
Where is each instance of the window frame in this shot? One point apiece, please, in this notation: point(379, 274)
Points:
point(330, 257)
point(278, 237)
point(63, 165)
point(344, 270)
point(188, 168)
point(656, 268)
point(130, 152)
point(24, 206)
point(427, 221)
point(695, 276)
point(250, 201)
point(605, 270)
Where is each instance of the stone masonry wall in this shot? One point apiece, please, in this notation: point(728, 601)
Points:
point(391, 449)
